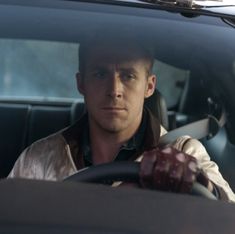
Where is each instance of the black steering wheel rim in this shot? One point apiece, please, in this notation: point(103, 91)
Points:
point(123, 171)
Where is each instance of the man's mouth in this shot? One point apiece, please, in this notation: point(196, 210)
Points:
point(113, 109)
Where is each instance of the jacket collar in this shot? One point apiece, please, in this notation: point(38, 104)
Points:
point(74, 137)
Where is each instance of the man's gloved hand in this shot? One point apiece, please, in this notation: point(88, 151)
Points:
point(170, 170)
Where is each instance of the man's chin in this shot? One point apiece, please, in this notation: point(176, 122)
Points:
point(114, 127)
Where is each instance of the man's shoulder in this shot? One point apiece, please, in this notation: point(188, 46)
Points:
point(56, 146)
point(49, 141)
point(44, 158)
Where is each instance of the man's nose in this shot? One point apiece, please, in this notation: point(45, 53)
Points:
point(115, 86)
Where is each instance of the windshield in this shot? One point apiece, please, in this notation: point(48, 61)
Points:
point(184, 49)
point(53, 66)
point(85, 83)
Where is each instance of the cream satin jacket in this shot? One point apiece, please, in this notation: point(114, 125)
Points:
point(50, 159)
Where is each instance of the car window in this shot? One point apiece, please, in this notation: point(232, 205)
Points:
point(34, 68)
point(170, 81)
point(38, 68)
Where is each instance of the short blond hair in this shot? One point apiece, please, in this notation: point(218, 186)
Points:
point(85, 47)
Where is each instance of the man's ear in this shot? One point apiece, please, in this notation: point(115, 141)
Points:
point(80, 84)
point(151, 85)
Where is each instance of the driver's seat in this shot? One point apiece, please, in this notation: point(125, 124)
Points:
point(157, 104)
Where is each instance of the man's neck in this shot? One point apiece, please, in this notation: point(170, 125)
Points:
point(106, 145)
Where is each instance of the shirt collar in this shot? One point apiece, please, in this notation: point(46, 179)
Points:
point(134, 143)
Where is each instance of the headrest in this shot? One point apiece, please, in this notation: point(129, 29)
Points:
point(157, 104)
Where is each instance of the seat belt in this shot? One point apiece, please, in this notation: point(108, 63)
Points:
point(207, 127)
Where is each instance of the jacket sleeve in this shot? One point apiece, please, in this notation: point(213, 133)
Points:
point(195, 148)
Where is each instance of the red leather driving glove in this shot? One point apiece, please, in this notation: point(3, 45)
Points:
point(170, 170)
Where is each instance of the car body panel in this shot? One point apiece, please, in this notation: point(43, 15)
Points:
point(100, 209)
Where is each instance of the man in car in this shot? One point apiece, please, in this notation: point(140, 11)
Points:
point(115, 78)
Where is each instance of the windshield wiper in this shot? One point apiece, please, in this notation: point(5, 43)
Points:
point(193, 3)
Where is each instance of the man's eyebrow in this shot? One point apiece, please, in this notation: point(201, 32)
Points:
point(98, 68)
point(128, 70)
point(120, 68)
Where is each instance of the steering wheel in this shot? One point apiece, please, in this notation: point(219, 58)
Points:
point(123, 171)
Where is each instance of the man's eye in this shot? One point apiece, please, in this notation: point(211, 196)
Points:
point(99, 74)
point(128, 76)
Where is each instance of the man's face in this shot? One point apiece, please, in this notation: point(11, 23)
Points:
point(115, 84)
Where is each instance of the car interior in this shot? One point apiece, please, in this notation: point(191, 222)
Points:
point(201, 92)
point(194, 63)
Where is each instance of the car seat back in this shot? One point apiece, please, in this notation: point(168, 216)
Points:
point(24, 122)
